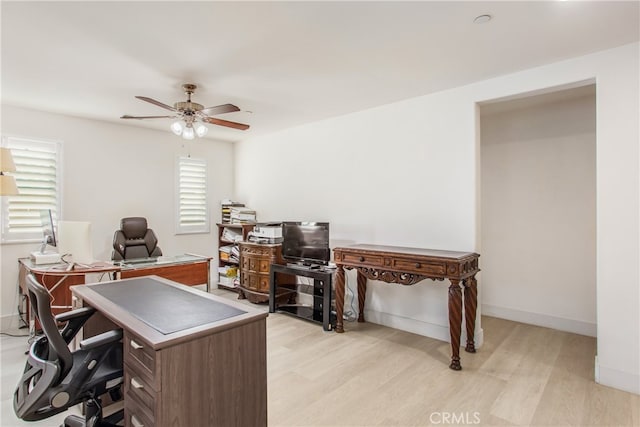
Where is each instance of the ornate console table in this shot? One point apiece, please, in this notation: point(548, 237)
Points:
point(408, 266)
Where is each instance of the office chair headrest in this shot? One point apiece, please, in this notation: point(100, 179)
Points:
point(134, 227)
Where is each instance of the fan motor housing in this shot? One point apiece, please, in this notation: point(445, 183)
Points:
point(188, 106)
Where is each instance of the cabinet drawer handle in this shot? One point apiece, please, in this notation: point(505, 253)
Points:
point(136, 384)
point(135, 422)
point(135, 345)
point(417, 265)
point(361, 259)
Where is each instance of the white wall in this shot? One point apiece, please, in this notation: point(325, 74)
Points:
point(406, 174)
point(538, 227)
point(112, 171)
point(406, 184)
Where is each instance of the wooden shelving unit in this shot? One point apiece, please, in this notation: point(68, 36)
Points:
point(243, 229)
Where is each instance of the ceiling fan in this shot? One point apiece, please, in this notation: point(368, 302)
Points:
point(191, 116)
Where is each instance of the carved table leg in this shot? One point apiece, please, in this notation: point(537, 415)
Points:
point(455, 322)
point(339, 298)
point(470, 306)
point(362, 294)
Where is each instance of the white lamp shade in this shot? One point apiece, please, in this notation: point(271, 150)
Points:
point(8, 185)
point(201, 130)
point(6, 161)
point(187, 133)
point(176, 127)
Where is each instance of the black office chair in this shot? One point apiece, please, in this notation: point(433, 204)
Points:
point(56, 379)
point(134, 240)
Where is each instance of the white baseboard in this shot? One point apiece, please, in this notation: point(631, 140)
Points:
point(617, 379)
point(431, 330)
point(568, 325)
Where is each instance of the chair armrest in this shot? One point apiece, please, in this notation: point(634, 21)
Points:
point(101, 339)
point(74, 314)
point(74, 319)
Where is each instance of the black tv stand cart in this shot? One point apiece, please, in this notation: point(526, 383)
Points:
point(322, 283)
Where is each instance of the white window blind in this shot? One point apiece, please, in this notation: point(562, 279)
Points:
point(38, 178)
point(192, 205)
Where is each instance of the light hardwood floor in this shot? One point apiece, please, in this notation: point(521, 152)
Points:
point(373, 375)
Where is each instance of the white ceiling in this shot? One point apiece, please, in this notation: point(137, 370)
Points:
point(283, 63)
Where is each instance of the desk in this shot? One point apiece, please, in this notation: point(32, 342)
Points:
point(212, 373)
point(188, 269)
point(57, 279)
point(408, 266)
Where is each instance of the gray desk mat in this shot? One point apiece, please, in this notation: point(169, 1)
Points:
point(163, 307)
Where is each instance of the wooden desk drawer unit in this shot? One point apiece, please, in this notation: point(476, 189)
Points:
point(140, 356)
point(141, 396)
point(209, 374)
point(255, 262)
point(134, 416)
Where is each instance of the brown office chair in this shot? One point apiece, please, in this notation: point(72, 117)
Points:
point(134, 240)
point(56, 379)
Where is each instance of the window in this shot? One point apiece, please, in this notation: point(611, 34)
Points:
point(192, 207)
point(38, 177)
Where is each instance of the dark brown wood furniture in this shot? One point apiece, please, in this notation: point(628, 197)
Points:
point(188, 269)
point(255, 262)
point(213, 374)
point(57, 278)
point(408, 266)
point(243, 230)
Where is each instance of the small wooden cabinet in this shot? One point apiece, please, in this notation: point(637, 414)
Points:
point(255, 263)
point(225, 246)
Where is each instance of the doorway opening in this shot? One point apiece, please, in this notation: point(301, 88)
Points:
point(538, 209)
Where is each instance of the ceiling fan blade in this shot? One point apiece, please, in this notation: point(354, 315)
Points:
point(226, 123)
point(126, 116)
point(219, 109)
point(158, 103)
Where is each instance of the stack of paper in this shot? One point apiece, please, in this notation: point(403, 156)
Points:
point(231, 235)
point(226, 206)
point(242, 215)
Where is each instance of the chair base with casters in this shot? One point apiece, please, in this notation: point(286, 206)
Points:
point(93, 417)
point(55, 379)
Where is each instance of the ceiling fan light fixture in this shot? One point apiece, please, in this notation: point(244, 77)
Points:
point(188, 133)
point(176, 127)
point(201, 130)
point(190, 115)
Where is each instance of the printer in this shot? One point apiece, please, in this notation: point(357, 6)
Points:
point(266, 232)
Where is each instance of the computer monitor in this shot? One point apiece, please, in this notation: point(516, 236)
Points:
point(74, 242)
point(43, 256)
point(48, 230)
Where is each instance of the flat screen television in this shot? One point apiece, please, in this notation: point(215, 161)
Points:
point(306, 243)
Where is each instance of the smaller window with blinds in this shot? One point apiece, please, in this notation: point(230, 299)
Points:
point(192, 214)
point(38, 177)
